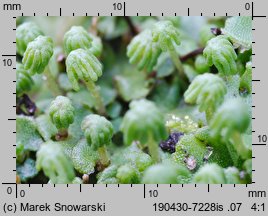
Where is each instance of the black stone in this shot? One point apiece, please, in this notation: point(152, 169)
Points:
point(170, 144)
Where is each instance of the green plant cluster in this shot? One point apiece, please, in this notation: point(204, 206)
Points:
point(129, 100)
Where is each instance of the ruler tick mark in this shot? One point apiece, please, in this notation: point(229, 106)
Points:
point(124, 8)
point(144, 191)
point(16, 191)
point(252, 10)
point(259, 16)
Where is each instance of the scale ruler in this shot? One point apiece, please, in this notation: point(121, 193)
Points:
point(190, 199)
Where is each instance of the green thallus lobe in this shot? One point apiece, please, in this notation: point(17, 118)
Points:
point(239, 30)
point(24, 81)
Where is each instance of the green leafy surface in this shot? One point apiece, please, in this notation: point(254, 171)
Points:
point(239, 29)
point(45, 127)
point(132, 155)
point(131, 86)
point(27, 170)
point(84, 157)
point(27, 133)
point(74, 132)
point(167, 95)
